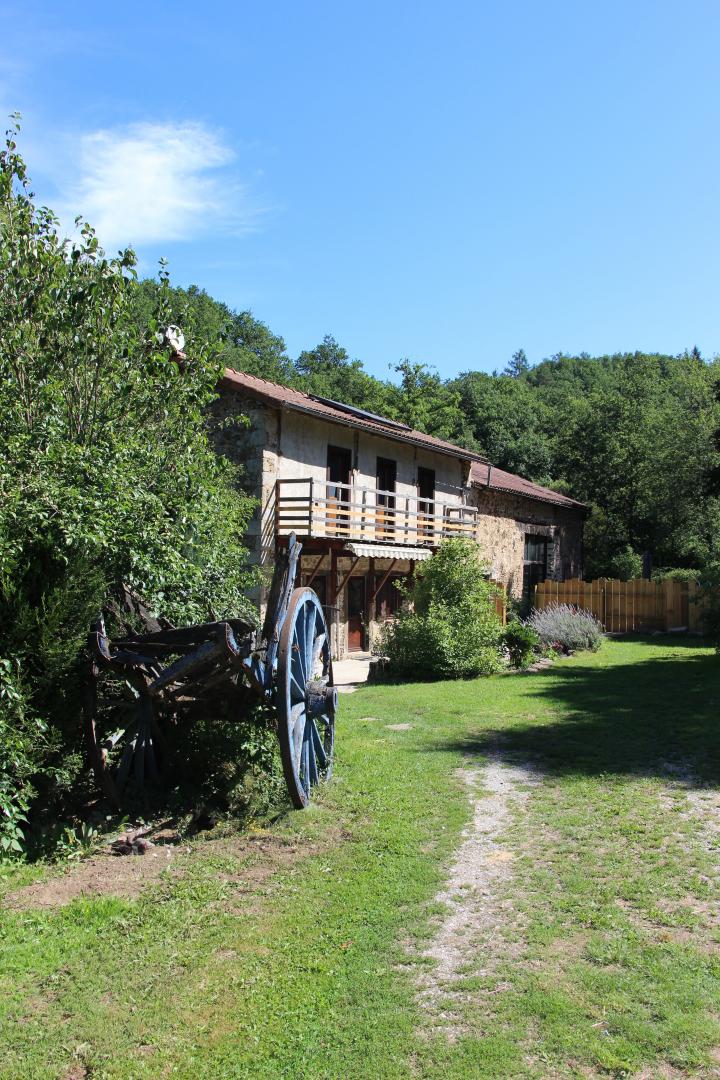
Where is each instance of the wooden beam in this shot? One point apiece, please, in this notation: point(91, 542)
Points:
point(387, 575)
point(333, 594)
point(317, 566)
point(369, 600)
point(344, 581)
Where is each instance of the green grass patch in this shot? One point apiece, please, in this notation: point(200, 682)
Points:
point(307, 971)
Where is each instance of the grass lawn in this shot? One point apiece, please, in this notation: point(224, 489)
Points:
point(297, 953)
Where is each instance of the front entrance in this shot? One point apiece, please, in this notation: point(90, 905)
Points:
point(356, 614)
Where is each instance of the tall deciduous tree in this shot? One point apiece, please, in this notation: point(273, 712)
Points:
point(107, 472)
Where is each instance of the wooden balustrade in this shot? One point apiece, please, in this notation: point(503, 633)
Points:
point(316, 508)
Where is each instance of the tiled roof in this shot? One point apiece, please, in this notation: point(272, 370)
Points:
point(285, 398)
point(499, 480)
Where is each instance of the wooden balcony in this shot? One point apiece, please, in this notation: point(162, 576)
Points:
point(318, 508)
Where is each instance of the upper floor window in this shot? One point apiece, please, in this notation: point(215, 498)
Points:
point(385, 498)
point(339, 467)
point(426, 500)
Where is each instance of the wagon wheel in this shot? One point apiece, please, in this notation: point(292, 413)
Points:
point(124, 740)
point(306, 699)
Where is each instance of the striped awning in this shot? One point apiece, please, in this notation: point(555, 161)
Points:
point(387, 551)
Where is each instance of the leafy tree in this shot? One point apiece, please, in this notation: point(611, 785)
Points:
point(426, 403)
point(518, 366)
point(328, 371)
point(107, 472)
point(506, 422)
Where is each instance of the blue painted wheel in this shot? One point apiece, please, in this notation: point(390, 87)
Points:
point(306, 699)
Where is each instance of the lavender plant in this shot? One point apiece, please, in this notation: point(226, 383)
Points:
point(566, 626)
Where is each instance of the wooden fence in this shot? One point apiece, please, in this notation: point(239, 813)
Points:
point(501, 602)
point(624, 606)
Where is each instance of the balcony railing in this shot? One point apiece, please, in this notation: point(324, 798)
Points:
point(319, 508)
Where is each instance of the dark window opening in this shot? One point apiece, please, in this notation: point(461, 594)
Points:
point(535, 563)
point(386, 480)
point(339, 468)
point(426, 503)
point(388, 599)
point(319, 584)
point(339, 465)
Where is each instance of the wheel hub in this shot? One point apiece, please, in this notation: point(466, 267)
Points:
point(320, 699)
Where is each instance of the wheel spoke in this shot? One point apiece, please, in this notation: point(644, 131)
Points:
point(126, 761)
point(302, 627)
point(151, 760)
point(305, 765)
point(297, 738)
point(317, 649)
point(297, 690)
point(297, 657)
point(310, 620)
point(312, 760)
point(318, 746)
point(140, 758)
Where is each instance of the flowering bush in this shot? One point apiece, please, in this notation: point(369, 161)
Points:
point(567, 627)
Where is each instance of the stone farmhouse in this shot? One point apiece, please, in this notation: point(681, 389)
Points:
point(369, 498)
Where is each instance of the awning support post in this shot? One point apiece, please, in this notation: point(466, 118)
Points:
point(344, 581)
point(317, 566)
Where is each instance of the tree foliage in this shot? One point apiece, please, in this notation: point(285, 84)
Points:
point(107, 471)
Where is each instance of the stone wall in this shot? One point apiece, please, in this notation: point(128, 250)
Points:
point(504, 522)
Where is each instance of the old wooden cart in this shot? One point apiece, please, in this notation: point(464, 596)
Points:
point(170, 674)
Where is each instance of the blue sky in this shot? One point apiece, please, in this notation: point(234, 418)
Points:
point(445, 181)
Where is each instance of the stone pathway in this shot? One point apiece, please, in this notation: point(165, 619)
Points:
point(349, 674)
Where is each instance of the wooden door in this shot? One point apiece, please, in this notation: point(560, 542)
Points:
point(356, 614)
point(339, 466)
point(385, 513)
point(426, 502)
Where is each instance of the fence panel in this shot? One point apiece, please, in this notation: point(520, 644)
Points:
point(624, 606)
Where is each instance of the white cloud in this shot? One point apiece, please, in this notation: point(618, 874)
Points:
point(154, 183)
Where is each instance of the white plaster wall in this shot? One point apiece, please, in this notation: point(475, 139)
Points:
point(303, 453)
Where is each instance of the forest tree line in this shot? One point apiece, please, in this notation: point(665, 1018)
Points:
point(633, 435)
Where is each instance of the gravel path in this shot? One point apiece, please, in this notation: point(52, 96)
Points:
point(469, 939)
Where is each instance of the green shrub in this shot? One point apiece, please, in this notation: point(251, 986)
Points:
point(449, 628)
point(521, 642)
point(566, 627)
point(679, 573)
point(625, 565)
point(23, 742)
